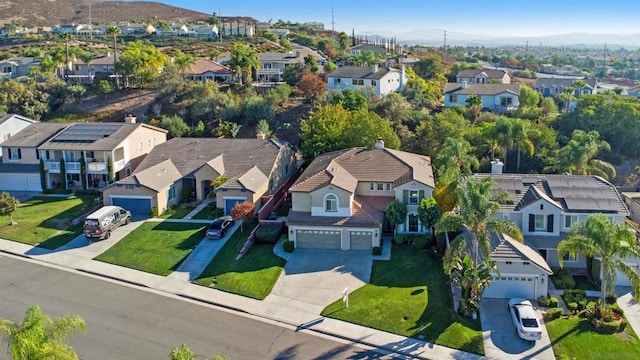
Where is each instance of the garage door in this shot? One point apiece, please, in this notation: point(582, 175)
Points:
point(318, 239)
point(20, 182)
point(361, 240)
point(137, 206)
point(230, 203)
point(510, 286)
point(622, 279)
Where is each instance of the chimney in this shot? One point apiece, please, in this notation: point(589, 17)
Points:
point(496, 166)
point(374, 68)
point(261, 136)
point(379, 144)
point(129, 119)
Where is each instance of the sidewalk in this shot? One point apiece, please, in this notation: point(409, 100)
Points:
point(78, 256)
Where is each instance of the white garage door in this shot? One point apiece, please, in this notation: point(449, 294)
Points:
point(510, 286)
point(20, 182)
point(622, 279)
point(318, 239)
point(361, 240)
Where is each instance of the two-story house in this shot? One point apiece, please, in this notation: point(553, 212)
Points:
point(202, 30)
point(499, 98)
point(67, 28)
point(483, 76)
point(251, 169)
point(17, 67)
point(551, 87)
point(375, 79)
point(339, 201)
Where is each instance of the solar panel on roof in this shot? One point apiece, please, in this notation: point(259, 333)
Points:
point(610, 205)
point(582, 192)
point(86, 132)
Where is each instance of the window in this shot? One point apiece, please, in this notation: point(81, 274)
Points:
point(570, 220)
point(171, 193)
point(14, 154)
point(506, 101)
point(388, 187)
point(539, 222)
point(453, 98)
point(337, 81)
point(380, 186)
point(414, 225)
point(331, 203)
point(140, 146)
point(413, 197)
point(373, 83)
point(357, 82)
point(6, 69)
point(89, 155)
point(569, 258)
point(372, 186)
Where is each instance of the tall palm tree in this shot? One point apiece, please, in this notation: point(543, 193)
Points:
point(611, 242)
point(578, 156)
point(66, 37)
point(41, 337)
point(477, 209)
point(512, 133)
point(243, 60)
point(182, 60)
point(455, 153)
point(471, 279)
point(115, 31)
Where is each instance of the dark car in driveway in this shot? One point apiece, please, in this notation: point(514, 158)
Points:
point(219, 226)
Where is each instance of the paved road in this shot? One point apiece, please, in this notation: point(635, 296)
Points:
point(129, 323)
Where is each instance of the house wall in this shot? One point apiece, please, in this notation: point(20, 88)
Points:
point(301, 201)
point(510, 266)
point(345, 200)
point(541, 207)
point(27, 156)
point(130, 190)
point(138, 143)
point(391, 82)
point(203, 174)
point(236, 193)
point(364, 189)
point(412, 209)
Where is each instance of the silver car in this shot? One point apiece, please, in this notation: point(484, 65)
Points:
point(525, 319)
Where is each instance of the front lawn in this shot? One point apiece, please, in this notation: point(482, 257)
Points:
point(177, 212)
point(410, 296)
point(155, 247)
point(46, 220)
point(575, 338)
point(253, 275)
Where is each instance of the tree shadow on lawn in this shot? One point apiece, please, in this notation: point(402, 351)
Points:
point(62, 221)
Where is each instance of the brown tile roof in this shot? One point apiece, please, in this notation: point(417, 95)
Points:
point(205, 65)
point(359, 217)
point(367, 164)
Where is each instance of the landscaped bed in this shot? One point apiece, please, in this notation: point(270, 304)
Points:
point(46, 220)
point(155, 247)
point(253, 275)
point(409, 295)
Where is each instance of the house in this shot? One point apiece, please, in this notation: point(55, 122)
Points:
point(483, 76)
point(202, 30)
point(281, 33)
point(99, 67)
point(545, 206)
point(249, 168)
point(17, 67)
point(375, 49)
point(136, 29)
point(11, 124)
point(339, 201)
point(93, 30)
point(315, 25)
point(554, 86)
point(495, 97)
point(238, 28)
point(67, 28)
point(19, 170)
point(205, 69)
point(175, 29)
point(376, 79)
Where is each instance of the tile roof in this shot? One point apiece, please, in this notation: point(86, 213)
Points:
point(93, 136)
point(362, 72)
point(202, 66)
point(572, 193)
point(365, 164)
point(481, 89)
point(252, 180)
point(103, 60)
point(156, 177)
point(34, 135)
point(361, 216)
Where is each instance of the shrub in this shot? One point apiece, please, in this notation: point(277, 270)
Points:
point(154, 211)
point(609, 327)
point(288, 246)
point(89, 192)
point(564, 280)
point(552, 314)
point(268, 233)
point(377, 250)
point(401, 238)
point(441, 240)
point(57, 191)
point(421, 241)
point(575, 295)
point(547, 301)
point(616, 309)
point(572, 306)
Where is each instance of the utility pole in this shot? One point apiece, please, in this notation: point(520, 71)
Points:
point(445, 46)
point(526, 56)
point(221, 27)
point(333, 26)
point(604, 61)
point(90, 24)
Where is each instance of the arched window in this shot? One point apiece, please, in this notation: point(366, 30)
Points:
point(331, 203)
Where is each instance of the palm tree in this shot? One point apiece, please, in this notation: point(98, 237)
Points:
point(578, 156)
point(511, 133)
point(41, 337)
point(182, 60)
point(66, 37)
point(477, 209)
point(455, 153)
point(243, 59)
point(115, 31)
point(471, 279)
point(611, 242)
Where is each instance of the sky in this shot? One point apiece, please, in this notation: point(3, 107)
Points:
point(462, 19)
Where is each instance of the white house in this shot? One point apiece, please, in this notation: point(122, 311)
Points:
point(483, 76)
point(12, 124)
point(495, 97)
point(378, 80)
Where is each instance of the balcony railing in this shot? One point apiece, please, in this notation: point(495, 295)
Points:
point(96, 167)
point(118, 165)
point(72, 166)
point(269, 71)
point(53, 166)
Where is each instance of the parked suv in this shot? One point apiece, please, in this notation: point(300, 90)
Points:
point(219, 226)
point(100, 223)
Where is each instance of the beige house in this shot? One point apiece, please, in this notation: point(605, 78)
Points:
point(205, 69)
point(248, 168)
point(340, 199)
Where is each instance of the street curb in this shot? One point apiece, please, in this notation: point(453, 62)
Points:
point(113, 278)
point(17, 254)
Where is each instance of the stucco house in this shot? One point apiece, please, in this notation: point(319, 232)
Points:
point(250, 168)
point(378, 80)
point(375, 49)
point(483, 76)
point(205, 69)
point(11, 124)
point(499, 98)
point(339, 201)
point(554, 86)
point(16, 67)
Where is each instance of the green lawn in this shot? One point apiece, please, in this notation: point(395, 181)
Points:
point(253, 275)
point(176, 212)
point(46, 221)
point(206, 213)
point(575, 338)
point(583, 282)
point(155, 247)
point(409, 295)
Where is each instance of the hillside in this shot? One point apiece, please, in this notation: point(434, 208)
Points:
point(51, 12)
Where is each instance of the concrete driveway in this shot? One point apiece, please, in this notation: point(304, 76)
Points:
point(313, 279)
point(500, 338)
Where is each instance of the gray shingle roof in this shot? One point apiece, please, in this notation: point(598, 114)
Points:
point(563, 83)
point(156, 177)
point(361, 72)
point(34, 135)
point(491, 73)
point(481, 89)
point(111, 134)
point(366, 164)
point(7, 117)
point(252, 180)
point(572, 193)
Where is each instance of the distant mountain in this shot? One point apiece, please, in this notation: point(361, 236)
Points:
point(51, 12)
